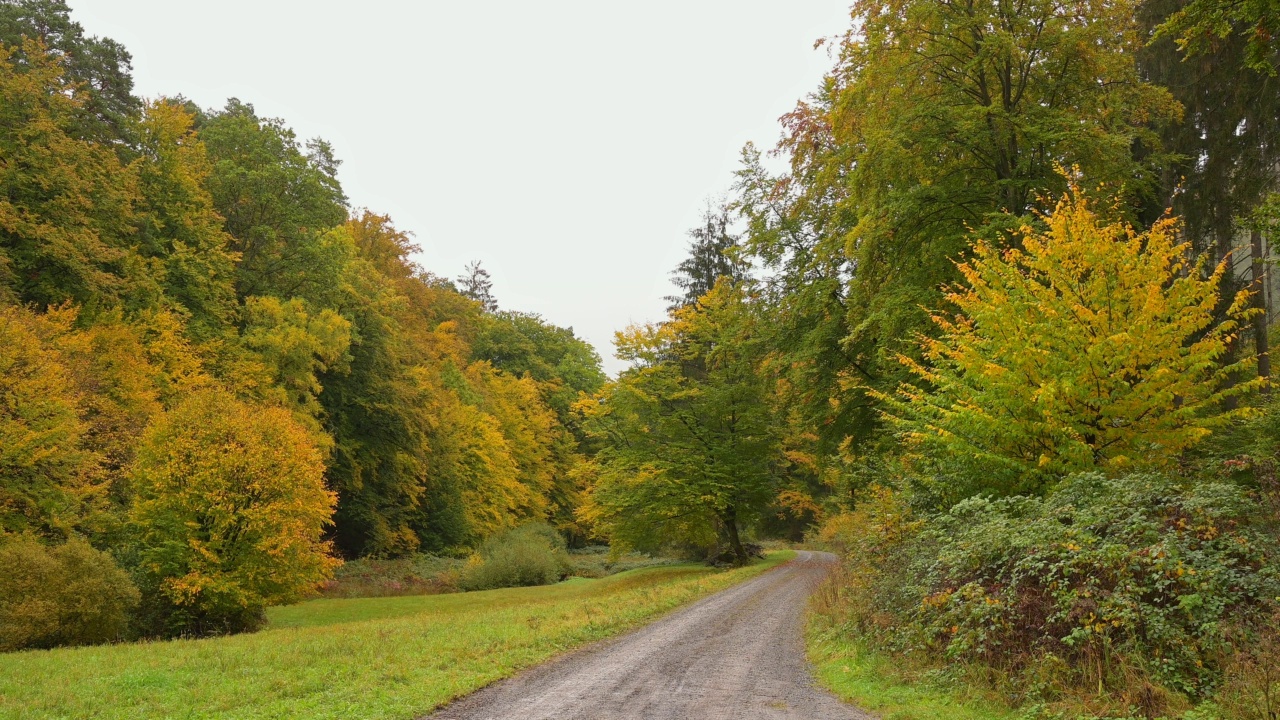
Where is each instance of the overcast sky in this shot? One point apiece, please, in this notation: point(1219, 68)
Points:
point(567, 145)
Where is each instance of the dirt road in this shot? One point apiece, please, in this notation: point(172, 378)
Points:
point(736, 655)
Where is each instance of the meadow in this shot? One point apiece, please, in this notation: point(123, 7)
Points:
point(389, 657)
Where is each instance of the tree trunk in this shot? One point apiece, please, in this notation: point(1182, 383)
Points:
point(1227, 290)
point(730, 519)
point(1260, 339)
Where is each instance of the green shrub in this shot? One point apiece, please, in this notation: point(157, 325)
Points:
point(1104, 581)
point(69, 594)
point(532, 554)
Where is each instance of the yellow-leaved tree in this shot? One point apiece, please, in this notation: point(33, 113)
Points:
point(1091, 346)
point(230, 507)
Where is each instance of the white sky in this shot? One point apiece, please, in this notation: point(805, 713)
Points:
point(567, 145)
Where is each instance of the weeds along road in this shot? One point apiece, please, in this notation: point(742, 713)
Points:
point(736, 655)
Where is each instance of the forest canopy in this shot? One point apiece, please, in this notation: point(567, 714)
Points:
point(225, 376)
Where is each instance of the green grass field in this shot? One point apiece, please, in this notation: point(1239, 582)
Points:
point(395, 657)
point(875, 682)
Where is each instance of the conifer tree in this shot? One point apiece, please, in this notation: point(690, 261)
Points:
point(476, 284)
point(711, 257)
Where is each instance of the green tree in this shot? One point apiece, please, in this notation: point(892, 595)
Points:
point(179, 228)
point(563, 364)
point(229, 510)
point(101, 67)
point(690, 443)
point(711, 257)
point(280, 200)
point(939, 120)
point(67, 215)
point(476, 284)
point(1202, 27)
point(296, 346)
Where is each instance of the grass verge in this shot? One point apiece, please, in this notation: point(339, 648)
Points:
point(394, 657)
point(874, 681)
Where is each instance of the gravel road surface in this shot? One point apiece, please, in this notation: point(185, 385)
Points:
point(736, 655)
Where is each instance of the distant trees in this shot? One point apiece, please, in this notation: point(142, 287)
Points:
point(711, 257)
point(220, 376)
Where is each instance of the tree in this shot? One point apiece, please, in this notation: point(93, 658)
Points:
point(280, 200)
point(939, 120)
point(66, 204)
point(229, 511)
point(475, 284)
point(1203, 26)
point(296, 346)
point(690, 445)
point(711, 257)
point(48, 479)
point(101, 67)
point(1094, 346)
point(178, 226)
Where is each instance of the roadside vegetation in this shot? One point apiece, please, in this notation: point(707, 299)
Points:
point(998, 332)
point(392, 657)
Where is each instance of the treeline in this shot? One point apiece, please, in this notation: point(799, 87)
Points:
point(216, 376)
point(999, 334)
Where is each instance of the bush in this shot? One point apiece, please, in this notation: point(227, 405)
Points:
point(415, 575)
point(229, 512)
point(1133, 586)
point(532, 554)
point(69, 594)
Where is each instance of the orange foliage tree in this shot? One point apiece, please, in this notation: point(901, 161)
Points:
point(230, 507)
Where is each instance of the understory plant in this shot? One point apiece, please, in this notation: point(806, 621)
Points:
point(1143, 593)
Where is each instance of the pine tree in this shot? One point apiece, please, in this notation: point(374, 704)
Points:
point(476, 284)
point(710, 258)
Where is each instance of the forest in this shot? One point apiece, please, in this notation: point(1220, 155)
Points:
point(997, 332)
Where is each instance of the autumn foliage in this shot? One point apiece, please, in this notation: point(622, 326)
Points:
point(230, 509)
point(1091, 345)
point(223, 377)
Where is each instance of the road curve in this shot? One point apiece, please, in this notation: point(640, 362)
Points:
point(735, 655)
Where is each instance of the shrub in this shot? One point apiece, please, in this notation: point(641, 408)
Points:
point(69, 594)
point(414, 575)
point(229, 511)
point(1107, 580)
point(532, 554)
